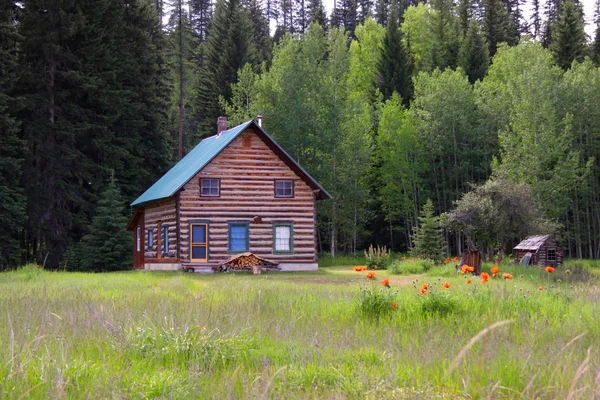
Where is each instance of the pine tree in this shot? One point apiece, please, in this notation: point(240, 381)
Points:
point(107, 246)
point(348, 16)
point(569, 41)
point(382, 11)
point(552, 11)
point(465, 14)
point(445, 29)
point(300, 12)
point(260, 32)
point(495, 24)
point(596, 47)
point(228, 47)
point(428, 239)
point(12, 201)
point(200, 13)
point(316, 12)
point(473, 56)
point(395, 66)
point(536, 20)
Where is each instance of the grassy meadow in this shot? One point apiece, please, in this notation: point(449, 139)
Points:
point(301, 335)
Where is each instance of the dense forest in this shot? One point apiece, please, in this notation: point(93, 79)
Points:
point(387, 104)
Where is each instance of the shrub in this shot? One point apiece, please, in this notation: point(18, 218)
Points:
point(377, 258)
point(408, 267)
point(375, 303)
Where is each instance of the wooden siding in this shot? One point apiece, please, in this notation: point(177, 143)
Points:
point(247, 169)
point(540, 258)
point(156, 215)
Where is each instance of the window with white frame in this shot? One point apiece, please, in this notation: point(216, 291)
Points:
point(283, 238)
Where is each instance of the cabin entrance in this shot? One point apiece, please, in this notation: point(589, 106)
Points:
point(199, 242)
point(138, 243)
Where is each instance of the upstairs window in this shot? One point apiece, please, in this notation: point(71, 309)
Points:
point(210, 187)
point(284, 188)
point(238, 237)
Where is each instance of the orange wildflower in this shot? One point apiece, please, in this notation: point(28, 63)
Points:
point(422, 255)
point(411, 258)
point(425, 286)
point(394, 305)
point(470, 269)
point(468, 281)
point(370, 274)
point(446, 285)
point(507, 276)
point(484, 277)
point(549, 269)
point(541, 288)
point(567, 272)
point(374, 266)
point(447, 260)
point(495, 270)
point(487, 259)
point(403, 258)
point(386, 282)
point(423, 291)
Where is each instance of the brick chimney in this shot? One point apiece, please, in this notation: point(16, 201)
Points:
point(221, 125)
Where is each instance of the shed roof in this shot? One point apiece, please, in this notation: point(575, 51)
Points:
point(532, 242)
point(205, 152)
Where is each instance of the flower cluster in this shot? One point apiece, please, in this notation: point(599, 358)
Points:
point(370, 274)
point(467, 268)
point(360, 268)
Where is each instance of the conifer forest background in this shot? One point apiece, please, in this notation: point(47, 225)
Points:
point(387, 103)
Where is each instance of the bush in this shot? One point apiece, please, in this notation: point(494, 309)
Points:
point(375, 303)
point(377, 258)
point(408, 267)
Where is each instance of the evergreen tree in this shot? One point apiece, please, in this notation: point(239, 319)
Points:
point(316, 13)
point(395, 66)
point(382, 11)
point(465, 14)
point(348, 15)
point(12, 201)
point(228, 47)
point(300, 16)
point(596, 47)
point(552, 11)
point(445, 29)
point(473, 56)
point(107, 246)
point(595, 50)
point(200, 12)
point(495, 24)
point(260, 31)
point(536, 20)
point(569, 41)
point(181, 39)
point(428, 238)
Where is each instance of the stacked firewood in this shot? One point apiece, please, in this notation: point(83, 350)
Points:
point(247, 262)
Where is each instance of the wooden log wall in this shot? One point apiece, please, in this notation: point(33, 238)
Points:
point(156, 215)
point(247, 169)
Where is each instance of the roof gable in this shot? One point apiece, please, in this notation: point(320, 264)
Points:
point(205, 152)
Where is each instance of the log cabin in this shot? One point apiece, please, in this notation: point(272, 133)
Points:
point(544, 250)
point(235, 192)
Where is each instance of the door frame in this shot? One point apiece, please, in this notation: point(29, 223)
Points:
point(206, 224)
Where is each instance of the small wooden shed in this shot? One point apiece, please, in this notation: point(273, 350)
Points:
point(544, 250)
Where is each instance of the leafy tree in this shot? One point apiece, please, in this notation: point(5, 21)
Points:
point(536, 142)
point(569, 41)
point(107, 246)
point(473, 56)
point(228, 47)
point(239, 109)
point(395, 67)
point(445, 27)
point(428, 238)
point(496, 214)
point(402, 167)
point(12, 201)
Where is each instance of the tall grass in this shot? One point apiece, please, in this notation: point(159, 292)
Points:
point(296, 335)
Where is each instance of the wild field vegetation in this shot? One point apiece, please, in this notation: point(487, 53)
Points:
point(300, 335)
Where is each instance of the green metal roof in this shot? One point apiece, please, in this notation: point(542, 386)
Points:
point(190, 165)
point(204, 153)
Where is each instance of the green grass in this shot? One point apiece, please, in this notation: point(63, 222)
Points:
point(299, 335)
